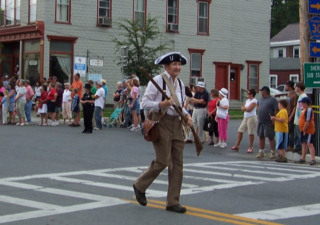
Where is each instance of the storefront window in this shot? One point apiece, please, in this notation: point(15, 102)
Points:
point(31, 61)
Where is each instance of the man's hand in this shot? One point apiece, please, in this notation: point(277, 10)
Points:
point(166, 103)
point(189, 122)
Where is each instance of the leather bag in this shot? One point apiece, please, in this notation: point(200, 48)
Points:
point(150, 130)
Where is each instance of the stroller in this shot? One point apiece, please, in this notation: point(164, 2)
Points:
point(114, 118)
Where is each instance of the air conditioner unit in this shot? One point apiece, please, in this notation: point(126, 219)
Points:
point(195, 80)
point(173, 27)
point(105, 21)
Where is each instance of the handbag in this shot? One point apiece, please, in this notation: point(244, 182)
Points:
point(207, 124)
point(150, 130)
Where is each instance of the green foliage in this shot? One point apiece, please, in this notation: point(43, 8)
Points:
point(282, 14)
point(145, 44)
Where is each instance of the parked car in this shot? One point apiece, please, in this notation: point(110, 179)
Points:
point(278, 94)
point(282, 88)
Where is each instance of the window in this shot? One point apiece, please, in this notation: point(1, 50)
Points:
point(104, 8)
point(31, 60)
point(280, 53)
point(11, 12)
point(63, 11)
point(196, 62)
point(253, 74)
point(294, 78)
point(32, 11)
point(203, 16)
point(296, 52)
point(140, 12)
point(172, 15)
point(273, 80)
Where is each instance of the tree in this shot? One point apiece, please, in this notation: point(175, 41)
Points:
point(283, 12)
point(143, 45)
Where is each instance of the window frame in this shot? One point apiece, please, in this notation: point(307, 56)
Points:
point(145, 11)
point(208, 2)
point(276, 83)
point(293, 51)
point(177, 16)
point(3, 22)
point(98, 11)
point(29, 11)
point(249, 64)
point(294, 75)
point(69, 13)
point(196, 51)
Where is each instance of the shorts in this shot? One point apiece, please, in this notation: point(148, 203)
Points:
point(21, 109)
point(51, 106)
point(57, 109)
point(282, 140)
point(248, 123)
point(43, 109)
point(265, 130)
point(308, 138)
point(11, 107)
point(136, 106)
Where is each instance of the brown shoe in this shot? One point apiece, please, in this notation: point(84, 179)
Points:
point(188, 141)
point(176, 208)
point(141, 197)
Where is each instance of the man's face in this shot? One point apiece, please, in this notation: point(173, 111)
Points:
point(173, 68)
point(264, 93)
point(76, 77)
point(287, 88)
point(199, 89)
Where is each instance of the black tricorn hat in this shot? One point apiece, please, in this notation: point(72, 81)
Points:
point(171, 57)
point(87, 86)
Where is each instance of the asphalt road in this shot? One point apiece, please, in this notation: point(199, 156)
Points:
point(57, 175)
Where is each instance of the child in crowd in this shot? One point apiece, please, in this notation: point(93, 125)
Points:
point(75, 107)
point(212, 111)
point(42, 106)
point(5, 106)
point(307, 129)
point(37, 92)
point(134, 105)
point(222, 117)
point(281, 129)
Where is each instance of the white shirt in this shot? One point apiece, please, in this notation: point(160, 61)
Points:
point(99, 102)
point(37, 90)
point(222, 113)
point(66, 97)
point(253, 112)
point(152, 96)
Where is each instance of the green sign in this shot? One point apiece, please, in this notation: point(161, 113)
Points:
point(311, 75)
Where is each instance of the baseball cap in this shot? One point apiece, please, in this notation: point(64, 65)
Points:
point(201, 84)
point(265, 88)
point(306, 100)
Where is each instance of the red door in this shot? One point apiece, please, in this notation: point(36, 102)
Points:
point(234, 83)
point(221, 76)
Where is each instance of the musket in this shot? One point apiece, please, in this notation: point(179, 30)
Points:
point(197, 141)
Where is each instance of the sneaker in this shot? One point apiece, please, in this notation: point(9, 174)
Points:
point(217, 144)
point(45, 124)
point(260, 155)
point(96, 128)
point(18, 124)
point(281, 159)
point(22, 124)
point(313, 162)
point(54, 124)
point(134, 129)
point(129, 127)
point(300, 161)
point(223, 145)
point(272, 155)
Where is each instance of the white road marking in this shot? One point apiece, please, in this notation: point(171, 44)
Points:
point(284, 213)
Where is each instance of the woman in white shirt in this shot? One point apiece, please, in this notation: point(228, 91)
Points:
point(66, 103)
point(222, 117)
point(249, 121)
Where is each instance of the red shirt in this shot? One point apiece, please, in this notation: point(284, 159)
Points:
point(51, 94)
point(212, 105)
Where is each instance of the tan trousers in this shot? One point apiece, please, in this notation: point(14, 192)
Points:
point(169, 153)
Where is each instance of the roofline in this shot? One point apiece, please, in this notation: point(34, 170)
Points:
point(284, 43)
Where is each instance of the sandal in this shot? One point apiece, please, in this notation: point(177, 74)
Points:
point(235, 148)
point(250, 150)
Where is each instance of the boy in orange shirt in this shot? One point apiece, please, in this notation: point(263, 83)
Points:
point(307, 129)
point(281, 129)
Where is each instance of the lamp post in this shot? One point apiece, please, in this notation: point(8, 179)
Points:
point(124, 56)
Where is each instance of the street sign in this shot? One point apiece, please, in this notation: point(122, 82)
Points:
point(314, 49)
point(95, 77)
point(312, 75)
point(314, 6)
point(96, 62)
point(314, 24)
point(80, 65)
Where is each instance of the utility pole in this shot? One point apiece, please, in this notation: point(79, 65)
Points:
point(304, 35)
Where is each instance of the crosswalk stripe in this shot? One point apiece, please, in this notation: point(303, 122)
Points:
point(27, 203)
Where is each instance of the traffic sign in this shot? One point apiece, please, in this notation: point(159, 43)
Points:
point(314, 24)
point(314, 49)
point(311, 75)
point(314, 6)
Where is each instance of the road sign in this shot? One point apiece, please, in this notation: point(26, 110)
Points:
point(314, 6)
point(314, 24)
point(312, 75)
point(314, 49)
point(80, 65)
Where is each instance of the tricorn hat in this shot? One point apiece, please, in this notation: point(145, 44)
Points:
point(171, 57)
